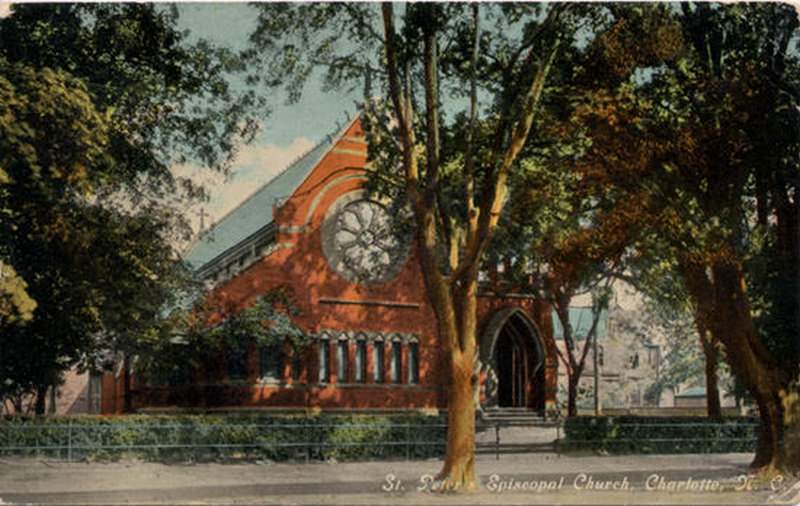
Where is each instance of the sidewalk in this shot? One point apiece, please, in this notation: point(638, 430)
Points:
point(514, 479)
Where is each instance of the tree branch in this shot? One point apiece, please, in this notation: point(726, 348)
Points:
point(432, 143)
point(469, 158)
point(400, 102)
point(425, 216)
point(359, 20)
point(432, 196)
point(494, 195)
point(592, 334)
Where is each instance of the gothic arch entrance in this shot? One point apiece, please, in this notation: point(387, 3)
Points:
point(511, 367)
point(512, 357)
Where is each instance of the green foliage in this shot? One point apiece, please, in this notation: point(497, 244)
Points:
point(267, 322)
point(188, 339)
point(15, 304)
point(44, 234)
point(636, 434)
point(347, 43)
point(705, 146)
point(169, 438)
point(97, 102)
point(168, 100)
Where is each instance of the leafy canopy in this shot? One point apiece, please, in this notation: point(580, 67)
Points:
point(97, 103)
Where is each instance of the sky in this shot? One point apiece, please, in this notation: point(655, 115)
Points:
point(287, 133)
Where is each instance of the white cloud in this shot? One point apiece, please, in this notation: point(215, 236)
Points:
point(5, 9)
point(255, 165)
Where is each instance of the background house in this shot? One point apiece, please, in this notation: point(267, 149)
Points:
point(633, 354)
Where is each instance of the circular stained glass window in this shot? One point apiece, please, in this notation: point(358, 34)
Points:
point(361, 243)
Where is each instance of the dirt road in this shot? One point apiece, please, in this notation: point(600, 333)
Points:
point(514, 479)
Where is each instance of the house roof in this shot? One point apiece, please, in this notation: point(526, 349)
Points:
point(580, 318)
point(693, 392)
point(256, 210)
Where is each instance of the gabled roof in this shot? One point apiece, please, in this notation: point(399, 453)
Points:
point(255, 212)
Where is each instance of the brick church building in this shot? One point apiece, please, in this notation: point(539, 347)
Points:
point(360, 294)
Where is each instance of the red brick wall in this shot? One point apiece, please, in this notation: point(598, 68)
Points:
point(300, 264)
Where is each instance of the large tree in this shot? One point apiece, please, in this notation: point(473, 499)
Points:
point(567, 232)
point(669, 306)
point(451, 245)
point(99, 102)
point(689, 140)
point(461, 86)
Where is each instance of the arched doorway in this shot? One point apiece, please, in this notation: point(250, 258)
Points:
point(512, 356)
point(512, 367)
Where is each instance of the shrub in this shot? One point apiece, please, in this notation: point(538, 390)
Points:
point(213, 437)
point(637, 434)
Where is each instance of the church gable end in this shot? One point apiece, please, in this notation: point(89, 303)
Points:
point(359, 291)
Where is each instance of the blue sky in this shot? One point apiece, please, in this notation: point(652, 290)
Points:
point(288, 132)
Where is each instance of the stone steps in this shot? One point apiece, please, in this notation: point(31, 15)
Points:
point(518, 417)
point(509, 448)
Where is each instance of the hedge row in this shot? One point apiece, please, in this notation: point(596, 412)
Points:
point(220, 437)
point(637, 434)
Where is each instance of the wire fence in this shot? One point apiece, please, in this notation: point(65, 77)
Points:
point(274, 441)
point(347, 441)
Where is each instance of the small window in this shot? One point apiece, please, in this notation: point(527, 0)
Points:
point(396, 365)
point(361, 361)
point(377, 355)
point(413, 363)
point(341, 362)
point(324, 361)
point(95, 397)
point(652, 356)
point(237, 363)
point(635, 361)
point(272, 363)
point(636, 397)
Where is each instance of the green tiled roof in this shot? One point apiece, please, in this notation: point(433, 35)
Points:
point(256, 211)
point(693, 392)
point(580, 318)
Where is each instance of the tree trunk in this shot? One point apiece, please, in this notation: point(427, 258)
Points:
point(752, 362)
point(711, 354)
point(723, 304)
point(458, 471)
point(572, 394)
point(41, 400)
point(713, 405)
point(456, 318)
point(598, 408)
point(769, 455)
